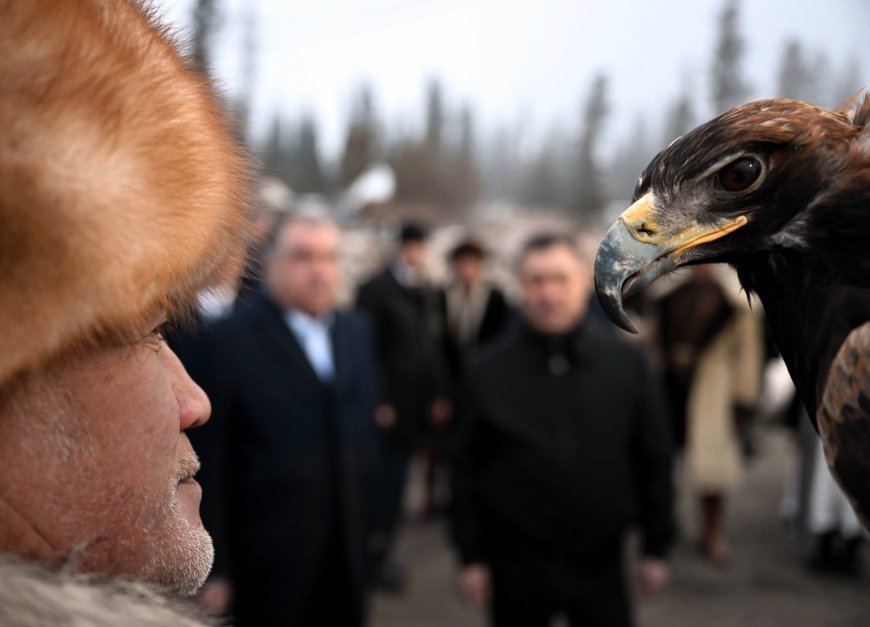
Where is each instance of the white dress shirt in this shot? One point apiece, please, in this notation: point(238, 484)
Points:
point(313, 336)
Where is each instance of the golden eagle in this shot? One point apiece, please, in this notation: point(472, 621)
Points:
point(779, 189)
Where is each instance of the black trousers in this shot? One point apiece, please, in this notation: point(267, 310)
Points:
point(529, 590)
point(391, 473)
point(331, 601)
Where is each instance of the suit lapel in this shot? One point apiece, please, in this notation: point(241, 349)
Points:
point(278, 334)
point(342, 353)
point(342, 359)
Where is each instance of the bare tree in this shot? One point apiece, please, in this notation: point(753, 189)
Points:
point(206, 21)
point(465, 175)
point(362, 143)
point(306, 172)
point(798, 77)
point(729, 87)
point(590, 194)
point(249, 68)
point(273, 155)
point(291, 153)
point(847, 81)
point(500, 162)
point(421, 178)
point(631, 157)
point(679, 119)
point(434, 115)
point(542, 185)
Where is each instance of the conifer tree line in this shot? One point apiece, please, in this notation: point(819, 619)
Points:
point(449, 164)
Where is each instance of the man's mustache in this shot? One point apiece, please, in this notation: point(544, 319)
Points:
point(187, 467)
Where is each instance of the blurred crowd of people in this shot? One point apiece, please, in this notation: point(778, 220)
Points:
point(546, 435)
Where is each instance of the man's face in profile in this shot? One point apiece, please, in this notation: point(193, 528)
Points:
point(97, 471)
point(555, 286)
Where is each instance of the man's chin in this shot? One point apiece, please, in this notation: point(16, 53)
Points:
point(185, 563)
point(182, 559)
point(548, 326)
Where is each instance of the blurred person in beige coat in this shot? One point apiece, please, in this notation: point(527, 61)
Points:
point(712, 354)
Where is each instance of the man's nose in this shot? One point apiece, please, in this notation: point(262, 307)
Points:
point(193, 404)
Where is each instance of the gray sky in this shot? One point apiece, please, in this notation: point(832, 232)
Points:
point(515, 61)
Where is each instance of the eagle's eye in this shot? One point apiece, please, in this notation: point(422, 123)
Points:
point(739, 175)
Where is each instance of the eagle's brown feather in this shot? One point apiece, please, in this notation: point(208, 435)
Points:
point(843, 417)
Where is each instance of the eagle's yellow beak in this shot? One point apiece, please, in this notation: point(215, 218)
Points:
point(640, 247)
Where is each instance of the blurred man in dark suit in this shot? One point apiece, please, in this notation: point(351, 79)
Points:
point(287, 456)
point(412, 382)
point(562, 444)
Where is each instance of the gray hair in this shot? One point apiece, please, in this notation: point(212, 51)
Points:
point(309, 217)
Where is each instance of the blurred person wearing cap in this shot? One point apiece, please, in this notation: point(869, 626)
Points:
point(412, 383)
point(562, 443)
point(122, 194)
point(288, 454)
point(474, 311)
point(473, 308)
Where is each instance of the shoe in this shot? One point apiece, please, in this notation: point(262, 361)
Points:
point(850, 560)
point(823, 560)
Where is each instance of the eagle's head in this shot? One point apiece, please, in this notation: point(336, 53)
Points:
point(746, 182)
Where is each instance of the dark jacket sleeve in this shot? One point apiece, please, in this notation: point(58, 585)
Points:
point(368, 367)
point(653, 465)
point(465, 524)
point(369, 432)
point(496, 316)
point(436, 324)
point(368, 301)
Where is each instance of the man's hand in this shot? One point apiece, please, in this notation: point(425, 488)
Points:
point(475, 585)
point(652, 576)
point(215, 596)
point(385, 416)
point(441, 411)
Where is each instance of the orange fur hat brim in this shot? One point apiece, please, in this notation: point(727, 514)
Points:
point(122, 191)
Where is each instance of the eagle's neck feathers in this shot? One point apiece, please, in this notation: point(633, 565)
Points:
point(810, 311)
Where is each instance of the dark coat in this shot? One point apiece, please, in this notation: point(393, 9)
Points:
point(496, 318)
point(407, 332)
point(285, 461)
point(561, 445)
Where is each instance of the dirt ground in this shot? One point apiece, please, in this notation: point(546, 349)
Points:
point(765, 583)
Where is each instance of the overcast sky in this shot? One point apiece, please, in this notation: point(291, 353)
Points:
point(515, 61)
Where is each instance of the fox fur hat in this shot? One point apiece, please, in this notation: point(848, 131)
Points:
point(122, 192)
